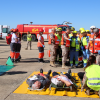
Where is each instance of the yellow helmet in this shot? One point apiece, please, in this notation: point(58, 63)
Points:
point(72, 29)
point(74, 32)
point(83, 31)
point(88, 31)
point(59, 29)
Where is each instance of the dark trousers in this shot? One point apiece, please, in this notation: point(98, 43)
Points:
point(81, 75)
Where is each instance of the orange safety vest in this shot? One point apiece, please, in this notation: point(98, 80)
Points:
point(89, 35)
point(42, 41)
point(94, 44)
point(56, 38)
point(67, 41)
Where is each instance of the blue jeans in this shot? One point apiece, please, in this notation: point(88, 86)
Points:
point(86, 55)
point(74, 53)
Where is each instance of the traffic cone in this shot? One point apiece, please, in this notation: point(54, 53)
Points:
point(9, 62)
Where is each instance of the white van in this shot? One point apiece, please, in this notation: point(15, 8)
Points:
point(4, 30)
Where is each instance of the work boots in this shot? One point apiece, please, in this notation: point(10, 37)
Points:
point(64, 67)
point(52, 64)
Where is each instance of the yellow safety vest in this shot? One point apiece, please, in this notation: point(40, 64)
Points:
point(29, 37)
point(85, 40)
point(74, 43)
point(93, 75)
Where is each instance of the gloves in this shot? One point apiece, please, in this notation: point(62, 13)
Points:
point(43, 46)
point(69, 39)
point(99, 52)
point(87, 51)
point(58, 40)
point(82, 48)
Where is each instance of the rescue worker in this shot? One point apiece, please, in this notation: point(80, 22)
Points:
point(72, 29)
point(29, 40)
point(74, 49)
point(91, 79)
point(13, 44)
point(52, 44)
point(94, 45)
point(58, 49)
point(40, 46)
point(65, 44)
point(91, 29)
point(18, 48)
point(84, 43)
point(88, 33)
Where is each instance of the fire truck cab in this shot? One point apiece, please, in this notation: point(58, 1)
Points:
point(4, 30)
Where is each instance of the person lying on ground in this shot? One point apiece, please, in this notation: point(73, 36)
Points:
point(61, 79)
point(39, 81)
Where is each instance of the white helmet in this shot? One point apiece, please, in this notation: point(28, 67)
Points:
point(92, 27)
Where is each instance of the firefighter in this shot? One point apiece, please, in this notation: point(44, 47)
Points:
point(91, 29)
point(88, 33)
point(53, 45)
point(58, 49)
point(18, 48)
point(84, 43)
point(94, 45)
point(41, 46)
point(74, 49)
point(65, 44)
point(29, 40)
point(13, 44)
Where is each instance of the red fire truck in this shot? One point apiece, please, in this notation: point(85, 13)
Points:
point(33, 29)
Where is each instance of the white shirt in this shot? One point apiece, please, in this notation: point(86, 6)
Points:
point(13, 38)
point(55, 81)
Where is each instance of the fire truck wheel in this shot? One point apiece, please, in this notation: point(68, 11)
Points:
point(24, 37)
point(33, 37)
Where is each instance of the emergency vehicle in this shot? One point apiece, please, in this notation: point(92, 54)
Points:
point(4, 30)
point(34, 30)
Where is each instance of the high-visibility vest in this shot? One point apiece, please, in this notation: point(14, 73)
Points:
point(42, 41)
point(50, 40)
point(59, 39)
point(8, 38)
point(65, 42)
point(85, 41)
point(93, 75)
point(94, 44)
point(89, 35)
point(74, 43)
point(29, 37)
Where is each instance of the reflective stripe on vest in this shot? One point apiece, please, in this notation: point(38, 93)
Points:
point(94, 79)
point(93, 83)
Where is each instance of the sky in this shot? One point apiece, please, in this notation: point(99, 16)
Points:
point(81, 13)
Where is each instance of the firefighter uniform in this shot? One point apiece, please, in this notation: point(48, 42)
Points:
point(40, 46)
point(65, 44)
point(13, 45)
point(74, 49)
point(84, 43)
point(53, 43)
point(18, 48)
point(94, 45)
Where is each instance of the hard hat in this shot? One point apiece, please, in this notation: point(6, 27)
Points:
point(83, 31)
point(56, 28)
point(72, 29)
point(11, 30)
point(41, 30)
point(59, 29)
point(74, 32)
point(92, 27)
point(15, 30)
point(88, 31)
